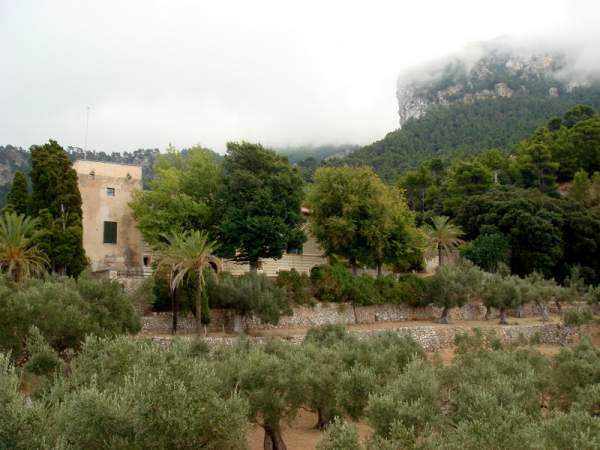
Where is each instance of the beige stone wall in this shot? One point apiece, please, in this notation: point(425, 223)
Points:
point(94, 178)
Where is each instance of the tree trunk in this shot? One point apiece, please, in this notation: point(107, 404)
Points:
point(520, 311)
point(503, 320)
point(273, 439)
point(444, 318)
point(199, 304)
point(353, 265)
point(323, 420)
point(174, 309)
point(253, 266)
point(545, 316)
point(440, 261)
point(379, 270)
point(487, 313)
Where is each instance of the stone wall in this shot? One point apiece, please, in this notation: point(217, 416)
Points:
point(327, 313)
point(435, 337)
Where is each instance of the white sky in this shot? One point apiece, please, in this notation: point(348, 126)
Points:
point(279, 72)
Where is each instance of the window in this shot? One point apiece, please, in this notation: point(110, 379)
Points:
point(146, 261)
point(293, 250)
point(110, 192)
point(110, 232)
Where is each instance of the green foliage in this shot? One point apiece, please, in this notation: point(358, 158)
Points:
point(581, 187)
point(335, 283)
point(502, 293)
point(577, 316)
point(487, 250)
point(537, 167)
point(297, 286)
point(326, 335)
point(56, 200)
point(182, 256)
point(340, 435)
point(166, 401)
point(20, 423)
point(248, 294)
point(411, 401)
point(18, 198)
point(443, 237)
point(354, 215)
point(19, 256)
point(573, 370)
point(43, 360)
point(463, 130)
point(258, 213)
point(64, 311)
point(531, 221)
point(453, 286)
point(181, 196)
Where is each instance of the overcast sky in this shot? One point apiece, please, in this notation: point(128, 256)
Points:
point(279, 72)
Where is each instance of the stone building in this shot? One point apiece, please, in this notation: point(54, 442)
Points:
point(111, 239)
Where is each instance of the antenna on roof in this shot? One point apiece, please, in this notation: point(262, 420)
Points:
point(87, 127)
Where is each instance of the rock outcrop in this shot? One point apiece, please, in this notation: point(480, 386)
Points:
point(497, 74)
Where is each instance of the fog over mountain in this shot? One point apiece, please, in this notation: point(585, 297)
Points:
point(283, 73)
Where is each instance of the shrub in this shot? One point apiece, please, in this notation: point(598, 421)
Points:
point(412, 290)
point(64, 311)
point(43, 360)
point(340, 435)
point(248, 294)
point(20, 424)
point(171, 405)
point(334, 283)
point(297, 286)
point(413, 400)
point(326, 335)
point(331, 283)
point(577, 316)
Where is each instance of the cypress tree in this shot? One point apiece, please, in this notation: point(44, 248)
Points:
point(18, 198)
point(56, 200)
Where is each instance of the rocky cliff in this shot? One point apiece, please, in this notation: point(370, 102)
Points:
point(493, 74)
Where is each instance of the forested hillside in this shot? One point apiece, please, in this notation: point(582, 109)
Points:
point(13, 159)
point(465, 129)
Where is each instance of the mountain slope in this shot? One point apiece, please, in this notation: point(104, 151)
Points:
point(459, 130)
point(490, 98)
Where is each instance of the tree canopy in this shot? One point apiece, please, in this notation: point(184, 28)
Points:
point(258, 205)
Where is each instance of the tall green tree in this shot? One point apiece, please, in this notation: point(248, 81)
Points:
point(57, 202)
point(19, 257)
point(258, 205)
point(537, 167)
point(18, 198)
point(466, 178)
point(182, 194)
point(580, 190)
point(531, 221)
point(355, 215)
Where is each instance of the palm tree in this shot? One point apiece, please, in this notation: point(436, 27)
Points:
point(18, 256)
point(443, 237)
point(181, 255)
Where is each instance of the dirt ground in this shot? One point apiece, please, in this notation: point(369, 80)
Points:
point(301, 433)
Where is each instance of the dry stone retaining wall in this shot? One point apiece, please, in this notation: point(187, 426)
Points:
point(327, 313)
point(435, 337)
